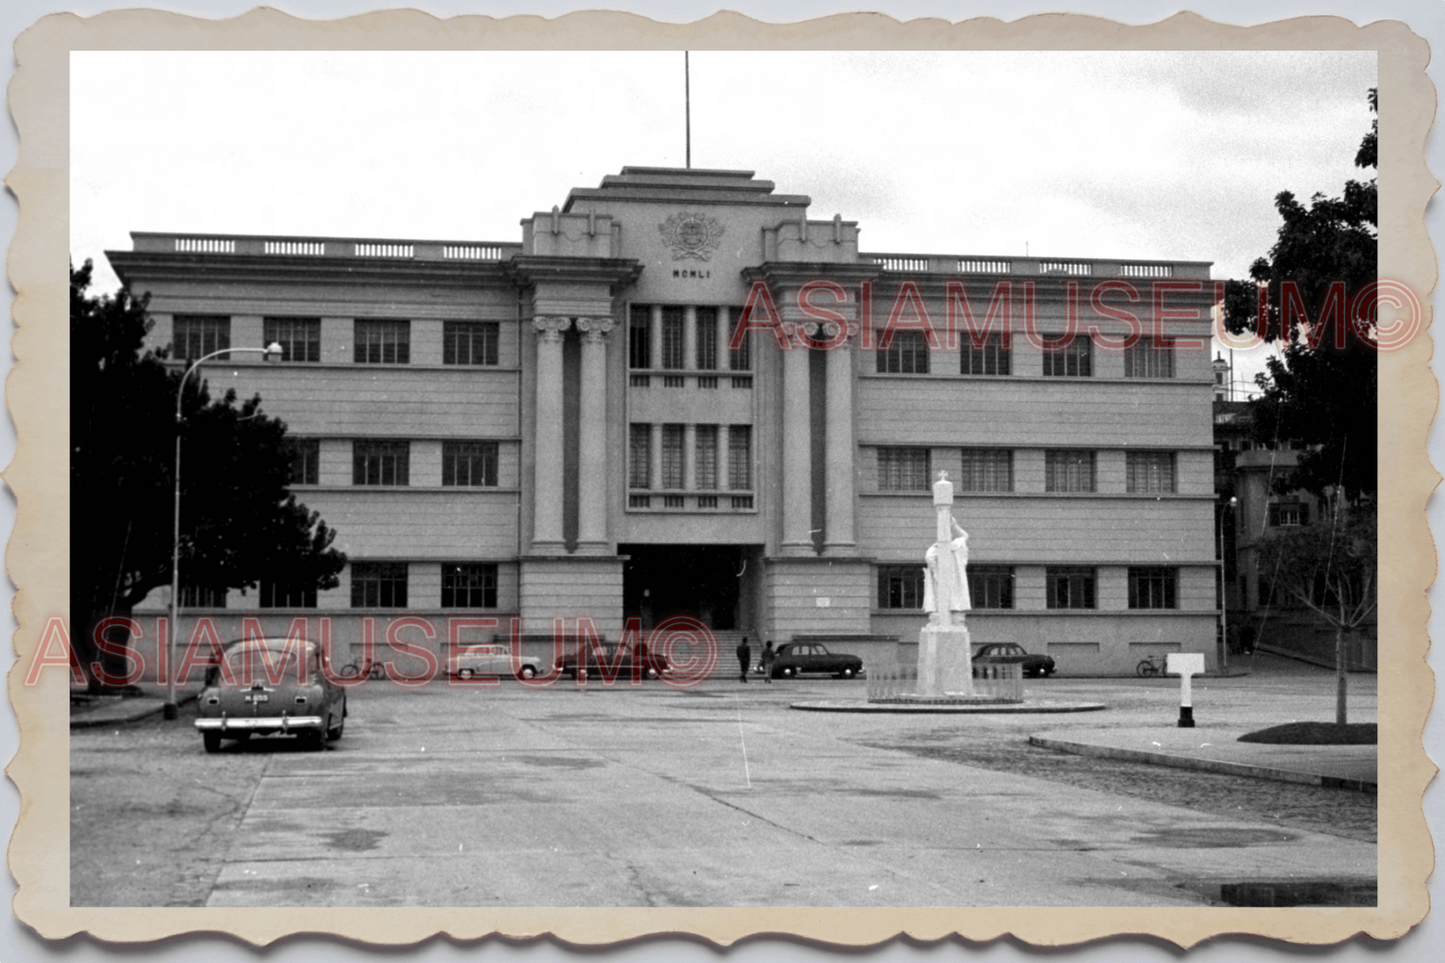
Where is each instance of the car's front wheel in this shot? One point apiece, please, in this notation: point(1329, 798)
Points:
point(211, 740)
point(849, 672)
point(789, 672)
point(526, 672)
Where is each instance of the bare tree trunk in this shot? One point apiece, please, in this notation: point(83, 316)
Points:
point(1340, 679)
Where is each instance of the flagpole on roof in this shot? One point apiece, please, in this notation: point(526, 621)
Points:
point(687, 104)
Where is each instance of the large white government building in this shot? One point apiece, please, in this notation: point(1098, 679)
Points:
point(567, 426)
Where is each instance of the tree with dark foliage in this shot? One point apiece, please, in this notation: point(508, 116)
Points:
point(239, 522)
point(1322, 392)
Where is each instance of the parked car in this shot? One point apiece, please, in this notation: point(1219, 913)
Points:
point(494, 660)
point(641, 660)
point(269, 687)
point(795, 658)
point(1005, 652)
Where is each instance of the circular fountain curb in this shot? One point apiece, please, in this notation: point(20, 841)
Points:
point(948, 708)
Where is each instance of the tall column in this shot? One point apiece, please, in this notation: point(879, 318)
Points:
point(547, 471)
point(838, 474)
point(797, 452)
point(592, 469)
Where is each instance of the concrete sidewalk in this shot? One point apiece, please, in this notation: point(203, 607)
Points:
point(1218, 749)
point(110, 710)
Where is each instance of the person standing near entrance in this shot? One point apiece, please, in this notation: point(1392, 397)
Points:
point(745, 658)
point(768, 656)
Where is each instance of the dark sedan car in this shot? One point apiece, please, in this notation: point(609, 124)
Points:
point(1006, 652)
point(270, 687)
point(606, 663)
point(795, 658)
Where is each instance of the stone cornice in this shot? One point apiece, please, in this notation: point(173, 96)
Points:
point(530, 269)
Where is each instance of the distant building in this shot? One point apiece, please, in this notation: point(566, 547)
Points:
point(574, 425)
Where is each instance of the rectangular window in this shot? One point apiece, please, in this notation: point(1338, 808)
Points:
point(992, 359)
point(377, 462)
point(305, 460)
point(1149, 471)
point(705, 457)
point(1068, 470)
point(1288, 514)
point(287, 595)
point(991, 586)
point(740, 457)
point(202, 597)
point(907, 354)
point(299, 338)
point(1153, 588)
point(903, 469)
point(742, 358)
point(469, 585)
point(471, 464)
point(470, 342)
point(673, 440)
point(1145, 360)
point(639, 456)
point(987, 470)
point(672, 335)
point(639, 337)
point(1070, 587)
point(1073, 360)
point(900, 586)
point(382, 342)
point(706, 339)
point(193, 336)
point(378, 585)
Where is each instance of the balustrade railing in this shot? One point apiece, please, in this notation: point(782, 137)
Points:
point(991, 683)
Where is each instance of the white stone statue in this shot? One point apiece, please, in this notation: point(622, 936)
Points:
point(944, 653)
point(949, 571)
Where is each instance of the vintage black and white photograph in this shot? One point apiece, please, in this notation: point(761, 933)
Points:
point(725, 478)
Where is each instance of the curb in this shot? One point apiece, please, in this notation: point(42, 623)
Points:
point(1207, 765)
point(945, 708)
point(91, 720)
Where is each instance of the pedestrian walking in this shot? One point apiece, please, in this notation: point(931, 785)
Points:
point(768, 656)
point(745, 658)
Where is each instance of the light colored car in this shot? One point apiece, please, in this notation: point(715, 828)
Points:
point(494, 660)
point(270, 687)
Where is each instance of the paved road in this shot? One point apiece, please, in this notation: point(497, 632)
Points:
point(710, 797)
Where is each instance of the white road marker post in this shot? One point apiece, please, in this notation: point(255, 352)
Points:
point(1185, 665)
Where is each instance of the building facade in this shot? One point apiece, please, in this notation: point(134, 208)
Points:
point(680, 395)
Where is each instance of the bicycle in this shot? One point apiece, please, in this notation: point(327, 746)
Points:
point(1150, 666)
point(370, 669)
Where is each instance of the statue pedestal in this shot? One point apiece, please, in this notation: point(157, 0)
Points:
point(945, 661)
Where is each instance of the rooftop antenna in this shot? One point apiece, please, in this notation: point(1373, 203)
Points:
point(687, 104)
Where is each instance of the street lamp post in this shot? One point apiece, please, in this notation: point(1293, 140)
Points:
point(1224, 586)
point(271, 352)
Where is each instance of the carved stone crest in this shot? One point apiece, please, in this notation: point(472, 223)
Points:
point(691, 235)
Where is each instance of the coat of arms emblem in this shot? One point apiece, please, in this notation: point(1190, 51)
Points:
point(691, 235)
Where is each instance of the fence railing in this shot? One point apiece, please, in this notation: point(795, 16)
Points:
point(1001, 682)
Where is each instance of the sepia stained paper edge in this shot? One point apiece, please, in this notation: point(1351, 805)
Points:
point(37, 555)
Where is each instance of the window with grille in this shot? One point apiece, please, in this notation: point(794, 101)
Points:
point(376, 462)
point(1145, 359)
point(991, 586)
point(287, 595)
point(378, 585)
point(672, 338)
point(299, 338)
point(382, 342)
point(1153, 587)
point(740, 458)
point(673, 438)
point(903, 469)
point(900, 586)
point(469, 585)
point(991, 359)
point(470, 464)
point(987, 470)
point(1068, 470)
point(202, 597)
point(742, 358)
point(193, 336)
point(639, 337)
point(305, 460)
point(470, 342)
point(707, 339)
point(1149, 471)
point(1073, 360)
point(1070, 587)
point(639, 456)
point(907, 354)
point(1288, 514)
point(705, 458)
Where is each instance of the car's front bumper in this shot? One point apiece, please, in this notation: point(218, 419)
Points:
point(283, 723)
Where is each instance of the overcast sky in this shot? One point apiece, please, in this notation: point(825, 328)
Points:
point(1139, 155)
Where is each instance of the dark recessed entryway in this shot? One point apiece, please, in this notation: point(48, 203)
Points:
point(702, 581)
